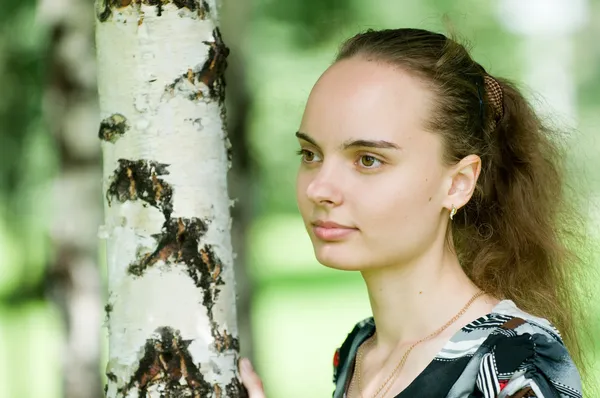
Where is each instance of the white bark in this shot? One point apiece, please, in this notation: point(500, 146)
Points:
point(172, 321)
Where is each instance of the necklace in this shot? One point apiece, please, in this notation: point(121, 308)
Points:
point(400, 365)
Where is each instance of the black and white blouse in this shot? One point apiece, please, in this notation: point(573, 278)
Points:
point(507, 353)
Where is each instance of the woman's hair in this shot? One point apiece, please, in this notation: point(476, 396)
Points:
point(514, 237)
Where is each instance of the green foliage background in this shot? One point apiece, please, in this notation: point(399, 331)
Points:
point(302, 310)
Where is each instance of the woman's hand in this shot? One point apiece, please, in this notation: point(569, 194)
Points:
point(251, 380)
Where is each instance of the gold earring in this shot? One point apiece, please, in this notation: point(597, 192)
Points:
point(452, 212)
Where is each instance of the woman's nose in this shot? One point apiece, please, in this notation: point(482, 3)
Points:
point(324, 191)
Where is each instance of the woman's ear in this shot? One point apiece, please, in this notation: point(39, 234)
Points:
point(463, 178)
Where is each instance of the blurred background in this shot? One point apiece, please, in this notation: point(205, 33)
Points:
point(293, 312)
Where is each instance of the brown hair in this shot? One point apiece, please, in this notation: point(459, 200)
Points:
point(513, 237)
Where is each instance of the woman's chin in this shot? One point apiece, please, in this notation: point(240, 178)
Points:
point(340, 261)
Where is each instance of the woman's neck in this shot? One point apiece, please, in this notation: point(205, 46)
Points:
point(414, 300)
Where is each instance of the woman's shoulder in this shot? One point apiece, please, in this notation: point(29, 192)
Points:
point(522, 354)
point(525, 322)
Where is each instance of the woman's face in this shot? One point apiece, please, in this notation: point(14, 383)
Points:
point(371, 185)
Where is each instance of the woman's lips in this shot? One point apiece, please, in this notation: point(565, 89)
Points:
point(329, 231)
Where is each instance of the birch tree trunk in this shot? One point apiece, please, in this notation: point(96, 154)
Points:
point(171, 305)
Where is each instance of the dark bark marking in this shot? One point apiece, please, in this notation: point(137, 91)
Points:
point(211, 74)
point(178, 243)
point(199, 6)
point(113, 127)
point(213, 70)
point(204, 11)
point(139, 180)
point(104, 14)
point(166, 361)
point(108, 7)
point(224, 341)
point(158, 3)
point(194, 5)
point(206, 274)
point(198, 123)
point(111, 376)
point(108, 309)
point(228, 146)
point(235, 389)
point(191, 4)
point(229, 152)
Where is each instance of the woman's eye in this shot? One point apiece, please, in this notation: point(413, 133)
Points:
point(369, 162)
point(307, 156)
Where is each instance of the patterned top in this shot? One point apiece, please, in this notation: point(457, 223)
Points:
point(505, 354)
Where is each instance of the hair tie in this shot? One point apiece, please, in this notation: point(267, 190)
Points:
point(495, 95)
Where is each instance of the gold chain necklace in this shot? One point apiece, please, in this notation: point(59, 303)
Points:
point(400, 365)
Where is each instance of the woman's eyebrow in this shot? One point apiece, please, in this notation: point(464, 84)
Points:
point(380, 144)
point(306, 138)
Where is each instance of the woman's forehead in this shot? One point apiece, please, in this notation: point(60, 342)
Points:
point(359, 97)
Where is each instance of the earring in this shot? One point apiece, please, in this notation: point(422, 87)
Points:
point(452, 212)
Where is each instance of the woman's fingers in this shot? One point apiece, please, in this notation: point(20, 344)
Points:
point(251, 380)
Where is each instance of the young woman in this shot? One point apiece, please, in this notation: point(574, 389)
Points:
point(440, 185)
